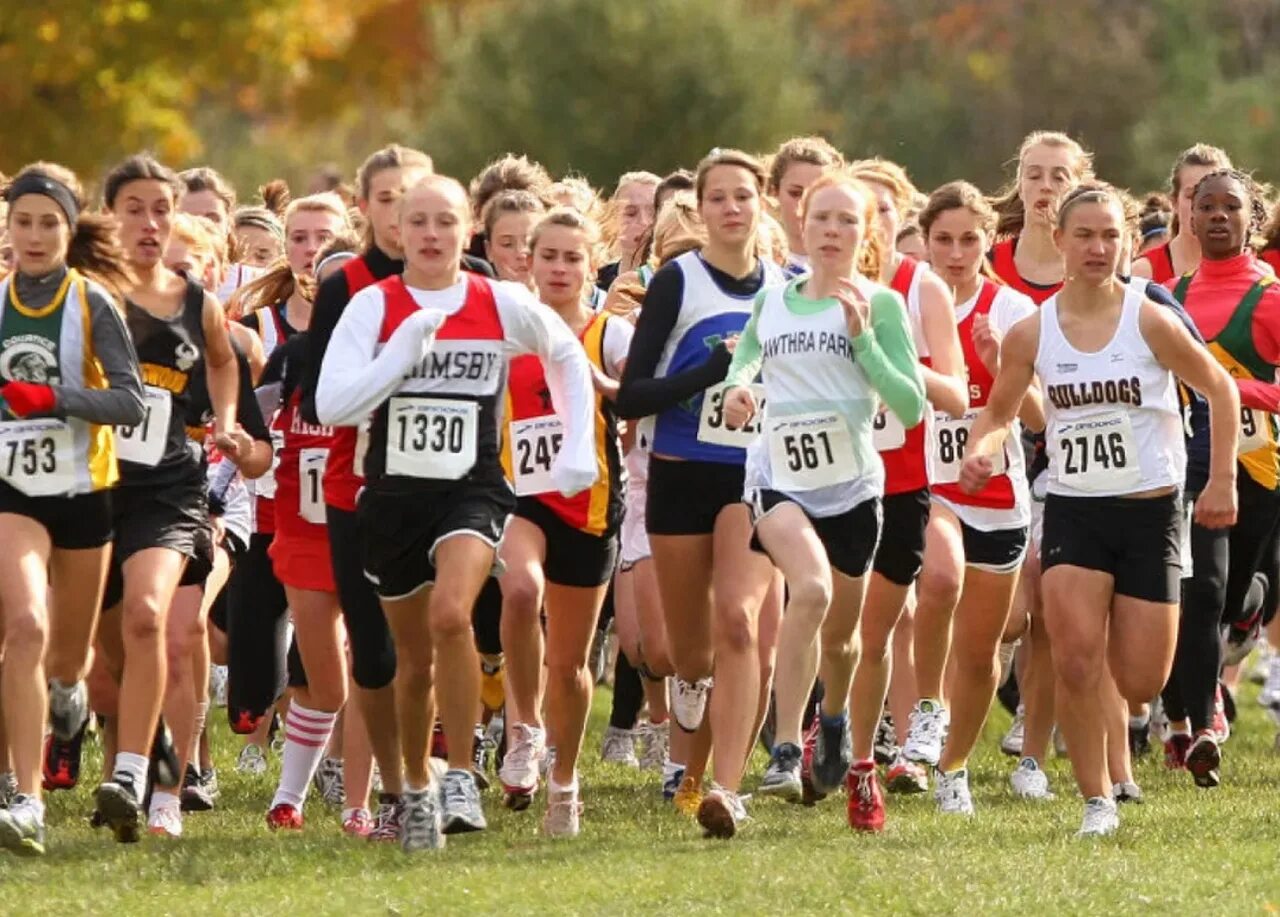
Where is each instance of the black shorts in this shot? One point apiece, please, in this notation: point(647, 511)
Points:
point(401, 530)
point(574, 557)
point(684, 498)
point(850, 538)
point(900, 555)
point(1139, 542)
point(175, 516)
point(201, 563)
point(996, 551)
point(73, 523)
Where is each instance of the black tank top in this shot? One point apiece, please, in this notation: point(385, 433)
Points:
point(170, 354)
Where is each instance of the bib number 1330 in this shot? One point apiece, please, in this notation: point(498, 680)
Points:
point(431, 437)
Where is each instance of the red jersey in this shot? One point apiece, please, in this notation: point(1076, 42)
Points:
point(999, 493)
point(1002, 263)
point(1161, 260)
point(532, 440)
point(300, 473)
point(903, 452)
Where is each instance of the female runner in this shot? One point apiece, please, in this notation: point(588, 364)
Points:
point(1181, 254)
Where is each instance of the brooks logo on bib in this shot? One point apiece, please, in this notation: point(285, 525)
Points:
point(36, 457)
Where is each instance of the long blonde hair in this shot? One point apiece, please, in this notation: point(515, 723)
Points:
point(1008, 202)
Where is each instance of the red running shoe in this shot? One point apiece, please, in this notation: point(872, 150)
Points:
point(1204, 759)
point(284, 817)
point(1175, 750)
point(61, 762)
point(866, 802)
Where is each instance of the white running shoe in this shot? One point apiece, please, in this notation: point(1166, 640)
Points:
point(251, 761)
point(721, 813)
point(68, 708)
point(461, 811)
point(520, 766)
point(655, 745)
point(1029, 781)
point(689, 702)
point(1011, 744)
point(420, 827)
point(218, 685)
point(619, 747)
point(564, 813)
point(927, 732)
point(952, 792)
point(328, 781)
point(165, 820)
point(1126, 792)
point(1269, 696)
point(1100, 818)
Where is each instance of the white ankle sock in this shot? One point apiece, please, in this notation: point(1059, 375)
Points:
point(306, 735)
point(135, 766)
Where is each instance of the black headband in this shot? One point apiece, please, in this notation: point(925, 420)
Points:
point(51, 188)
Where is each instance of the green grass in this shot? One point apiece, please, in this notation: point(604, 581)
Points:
point(1185, 850)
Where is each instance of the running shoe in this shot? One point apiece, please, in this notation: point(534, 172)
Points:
point(121, 809)
point(952, 792)
point(782, 776)
point(672, 777)
point(251, 761)
point(461, 803)
point(420, 827)
point(720, 813)
point(885, 748)
point(328, 781)
point(218, 685)
point(68, 709)
point(165, 820)
point(1204, 758)
point(564, 814)
point(688, 798)
point(1011, 744)
point(358, 823)
point(810, 795)
point(1140, 737)
point(60, 769)
point(1224, 713)
point(619, 747)
point(520, 767)
point(244, 722)
point(655, 745)
point(1100, 818)
point(481, 756)
point(832, 753)
point(1029, 781)
point(906, 777)
point(284, 817)
point(866, 802)
point(1269, 696)
point(1176, 747)
point(689, 702)
point(8, 789)
point(387, 819)
point(199, 790)
point(22, 827)
point(1126, 792)
point(1238, 640)
point(164, 758)
point(927, 732)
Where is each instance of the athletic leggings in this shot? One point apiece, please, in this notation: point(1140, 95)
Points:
point(257, 637)
point(486, 619)
point(373, 652)
point(1224, 588)
point(628, 694)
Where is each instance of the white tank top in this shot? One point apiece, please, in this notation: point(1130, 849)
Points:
point(816, 444)
point(1113, 426)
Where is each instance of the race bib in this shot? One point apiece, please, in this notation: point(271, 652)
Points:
point(808, 451)
point(711, 426)
point(535, 443)
point(1097, 454)
point(950, 436)
point(432, 438)
point(887, 431)
point(143, 444)
point(311, 484)
point(265, 486)
point(37, 456)
point(1253, 430)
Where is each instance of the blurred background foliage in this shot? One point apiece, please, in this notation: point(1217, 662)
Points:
point(266, 88)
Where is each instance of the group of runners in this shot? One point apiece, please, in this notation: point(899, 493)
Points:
point(840, 460)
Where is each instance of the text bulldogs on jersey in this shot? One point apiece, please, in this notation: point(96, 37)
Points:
point(1108, 391)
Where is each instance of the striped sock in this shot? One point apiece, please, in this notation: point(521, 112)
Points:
point(306, 735)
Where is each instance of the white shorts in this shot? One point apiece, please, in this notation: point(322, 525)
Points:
point(635, 539)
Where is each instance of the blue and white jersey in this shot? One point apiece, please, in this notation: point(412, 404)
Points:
point(708, 315)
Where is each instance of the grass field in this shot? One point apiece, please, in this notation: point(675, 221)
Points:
point(1185, 850)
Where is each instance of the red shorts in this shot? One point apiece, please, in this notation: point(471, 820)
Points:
point(302, 561)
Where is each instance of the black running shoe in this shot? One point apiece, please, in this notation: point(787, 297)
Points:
point(199, 790)
point(164, 758)
point(1140, 740)
point(121, 810)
